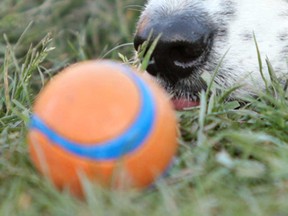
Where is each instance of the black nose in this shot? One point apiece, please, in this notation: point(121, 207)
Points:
point(184, 45)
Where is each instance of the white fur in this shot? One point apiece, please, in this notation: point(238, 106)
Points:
point(260, 17)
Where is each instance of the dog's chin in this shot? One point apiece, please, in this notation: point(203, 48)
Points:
point(184, 94)
point(181, 104)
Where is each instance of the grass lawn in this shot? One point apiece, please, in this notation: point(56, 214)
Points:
point(233, 157)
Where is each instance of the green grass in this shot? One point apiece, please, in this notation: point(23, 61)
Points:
point(232, 160)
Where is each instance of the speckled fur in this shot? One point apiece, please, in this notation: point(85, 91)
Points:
point(235, 22)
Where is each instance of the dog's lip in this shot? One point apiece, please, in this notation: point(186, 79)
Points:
point(183, 103)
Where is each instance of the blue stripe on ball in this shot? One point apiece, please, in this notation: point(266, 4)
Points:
point(112, 149)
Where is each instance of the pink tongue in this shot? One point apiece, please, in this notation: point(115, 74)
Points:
point(181, 103)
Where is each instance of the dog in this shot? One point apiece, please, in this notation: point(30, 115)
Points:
point(230, 39)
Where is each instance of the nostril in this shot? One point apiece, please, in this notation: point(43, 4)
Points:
point(138, 41)
point(186, 53)
point(142, 46)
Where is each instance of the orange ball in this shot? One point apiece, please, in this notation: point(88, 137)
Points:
point(104, 121)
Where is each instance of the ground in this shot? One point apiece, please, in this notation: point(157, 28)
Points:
point(233, 156)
